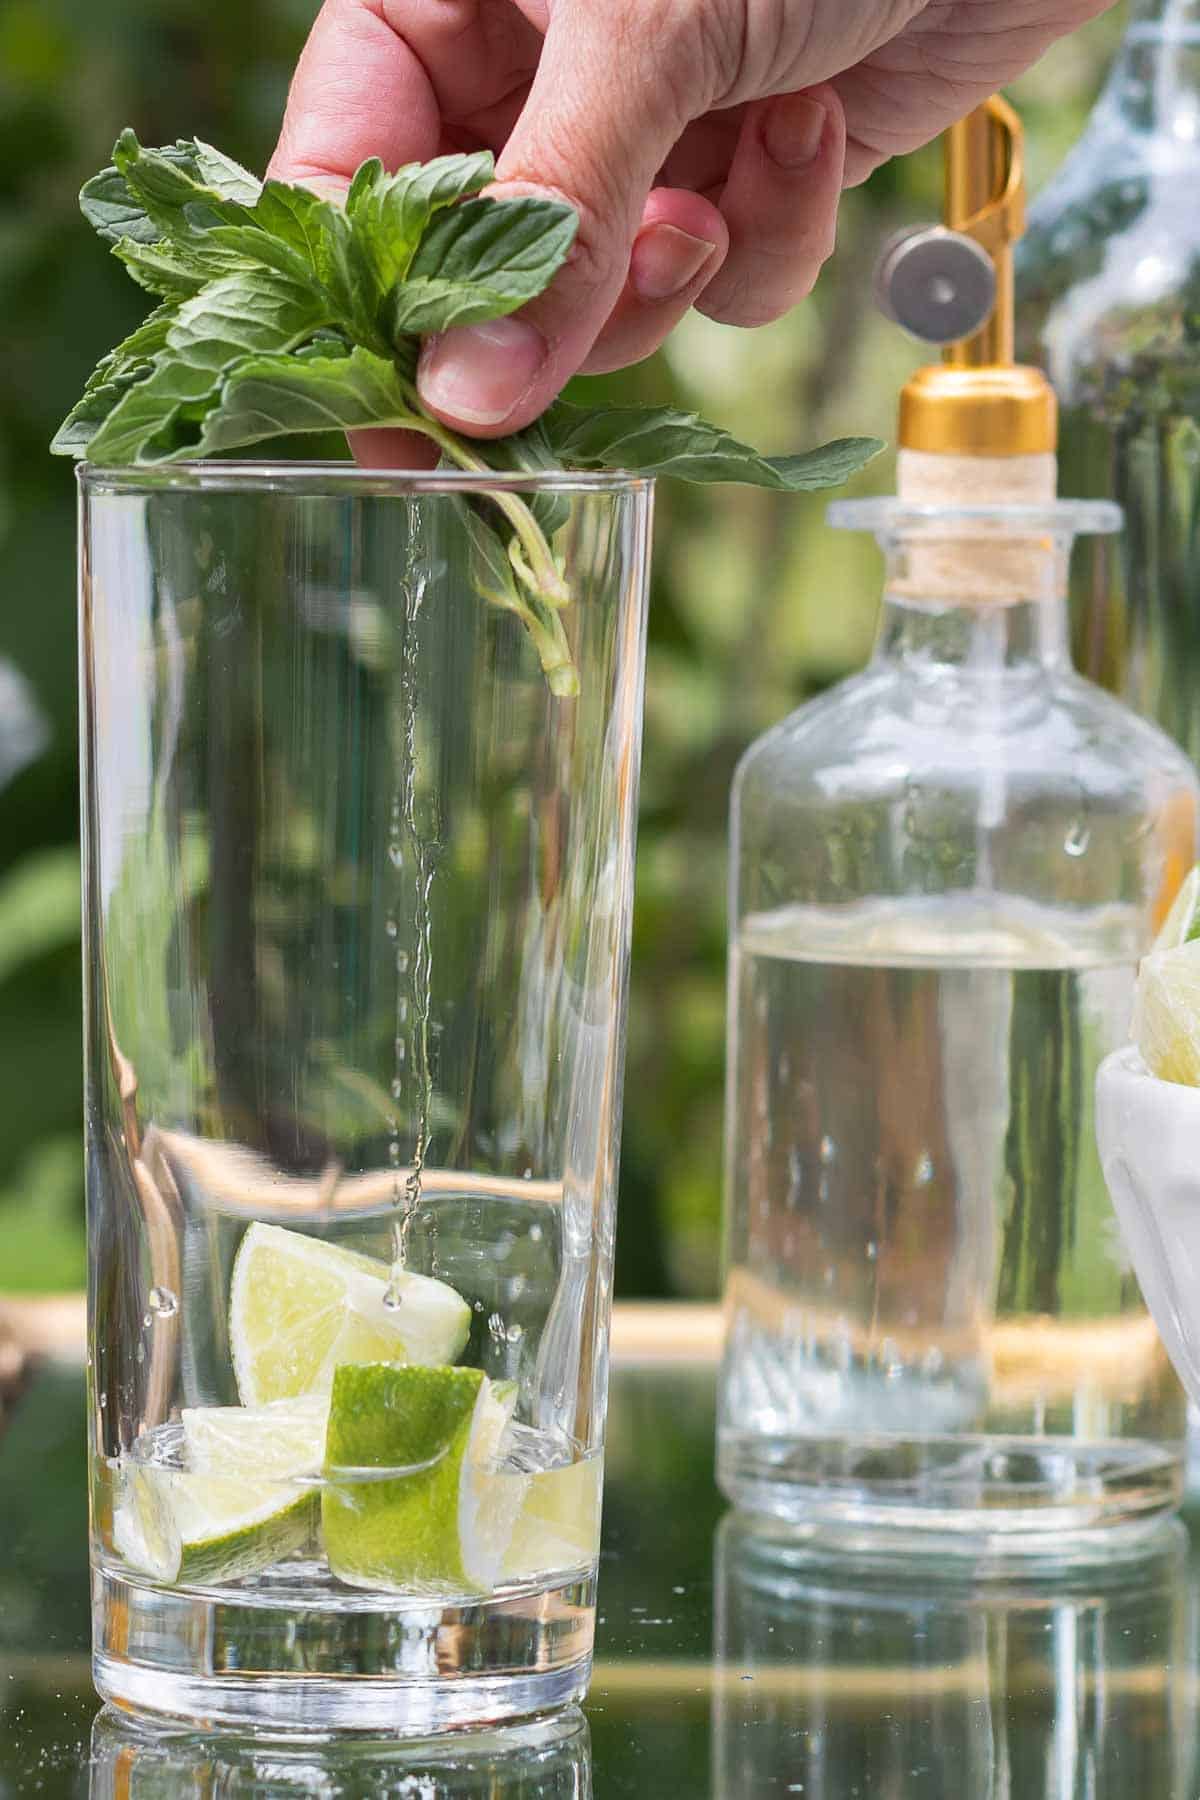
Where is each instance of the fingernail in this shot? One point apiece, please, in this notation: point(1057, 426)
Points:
point(665, 259)
point(792, 130)
point(478, 373)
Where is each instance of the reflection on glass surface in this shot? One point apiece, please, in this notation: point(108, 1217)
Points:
point(549, 1759)
point(867, 1678)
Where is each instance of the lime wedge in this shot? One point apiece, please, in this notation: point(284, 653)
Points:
point(276, 1442)
point(193, 1529)
point(299, 1307)
point(1182, 923)
point(1166, 1013)
point(423, 1519)
point(558, 1526)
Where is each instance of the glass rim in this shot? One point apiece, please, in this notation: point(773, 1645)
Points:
point(328, 478)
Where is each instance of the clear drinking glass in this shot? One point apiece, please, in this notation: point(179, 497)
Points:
point(944, 873)
point(357, 911)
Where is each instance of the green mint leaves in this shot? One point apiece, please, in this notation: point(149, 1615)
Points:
point(280, 313)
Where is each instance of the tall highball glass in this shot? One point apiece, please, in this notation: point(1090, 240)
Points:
point(357, 910)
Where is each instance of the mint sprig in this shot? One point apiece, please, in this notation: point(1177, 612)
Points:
point(282, 313)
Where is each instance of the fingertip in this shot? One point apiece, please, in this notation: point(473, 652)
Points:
point(392, 450)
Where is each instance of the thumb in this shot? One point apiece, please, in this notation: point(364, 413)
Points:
point(595, 130)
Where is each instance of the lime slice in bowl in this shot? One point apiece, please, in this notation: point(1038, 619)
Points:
point(1182, 923)
point(300, 1307)
point(191, 1529)
point(1166, 1013)
point(413, 1497)
point(276, 1442)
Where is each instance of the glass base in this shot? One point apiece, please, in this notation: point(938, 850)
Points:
point(1008, 1497)
point(261, 1657)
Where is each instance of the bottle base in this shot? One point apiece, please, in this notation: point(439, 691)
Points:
point(255, 1659)
point(1004, 1498)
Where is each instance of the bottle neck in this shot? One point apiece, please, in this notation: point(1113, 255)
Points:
point(938, 637)
point(1154, 86)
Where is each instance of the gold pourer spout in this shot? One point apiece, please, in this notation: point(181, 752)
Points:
point(985, 200)
point(977, 403)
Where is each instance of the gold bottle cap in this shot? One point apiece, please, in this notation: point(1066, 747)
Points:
point(998, 411)
point(977, 402)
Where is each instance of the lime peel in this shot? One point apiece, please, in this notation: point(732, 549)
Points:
point(191, 1529)
point(440, 1525)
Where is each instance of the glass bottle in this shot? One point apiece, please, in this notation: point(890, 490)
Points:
point(1108, 286)
point(944, 872)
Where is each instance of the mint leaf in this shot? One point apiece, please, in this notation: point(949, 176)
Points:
point(284, 314)
point(160, 270)
point(658, 440)
point(130, 362)
point(389, 213)
point(480, 260)
point(277, 396)
point(245, 314)
point(225, 324)
point(148, 423)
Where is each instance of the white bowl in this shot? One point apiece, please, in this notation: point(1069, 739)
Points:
point(1148, 1132)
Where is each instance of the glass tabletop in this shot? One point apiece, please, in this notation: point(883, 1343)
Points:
point(731, 1662)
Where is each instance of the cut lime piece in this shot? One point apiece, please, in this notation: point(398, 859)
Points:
point(558, 1526)
point(424, 1521)
point(192, 1530)
point(275, 1442)
point(299, 1307)
point(1166, 1014)
point(1182, 923)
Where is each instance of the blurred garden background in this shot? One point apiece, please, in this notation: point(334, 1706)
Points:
point(755, 606)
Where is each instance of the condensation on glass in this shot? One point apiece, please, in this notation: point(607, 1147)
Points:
point(357, 915)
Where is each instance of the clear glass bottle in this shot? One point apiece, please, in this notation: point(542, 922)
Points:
point(1108, 286)
point(944, 872)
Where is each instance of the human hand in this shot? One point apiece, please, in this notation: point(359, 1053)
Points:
point(704, 144)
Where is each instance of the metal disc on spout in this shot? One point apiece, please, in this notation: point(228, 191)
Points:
point(938, 284)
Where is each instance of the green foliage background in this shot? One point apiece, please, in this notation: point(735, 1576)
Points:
point(755, 606)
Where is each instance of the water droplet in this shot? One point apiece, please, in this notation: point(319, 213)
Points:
point(1077, 839)
point(392, 1298)
point(535, 1234)
point(163, 1301)
point(398, 1085)
point(515, 1333)
point(923, 1173)
point(396, 855)
point(828, 1150)
point(140, 1353)
point(103, 1400)
point(394, 1155)
point(391, 927)
point(402, 962)
point(496, 1326)
point(479, 1306)
point(872, 1250)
